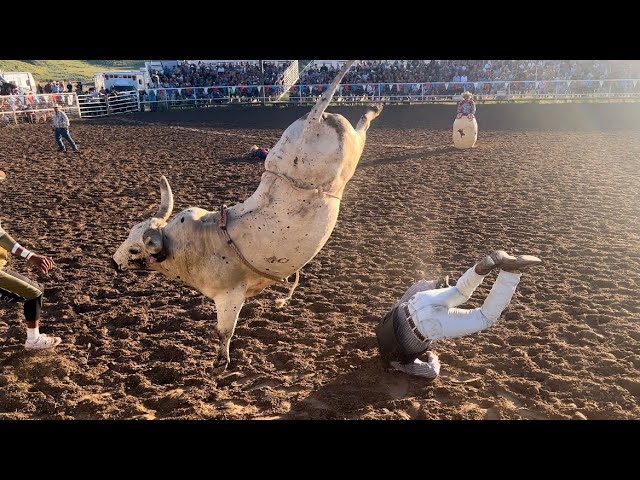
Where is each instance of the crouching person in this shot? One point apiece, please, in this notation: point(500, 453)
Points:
point(426, 313)
point(16, 288)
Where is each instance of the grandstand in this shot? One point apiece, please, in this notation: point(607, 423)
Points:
point(203, 83)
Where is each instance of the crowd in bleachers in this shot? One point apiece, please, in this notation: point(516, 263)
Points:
point(203, 74)
point(419, 71)
point(185, 81)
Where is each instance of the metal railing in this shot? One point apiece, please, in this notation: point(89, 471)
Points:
point(36, 108)
point(427, 92)
point(494, 90)
point(39, 108)
point(99, 105)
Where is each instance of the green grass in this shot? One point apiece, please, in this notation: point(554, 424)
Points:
point(64, 70)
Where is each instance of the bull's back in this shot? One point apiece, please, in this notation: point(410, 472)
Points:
point(314, 153)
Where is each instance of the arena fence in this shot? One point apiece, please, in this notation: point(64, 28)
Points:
point(96, 105)
point(36, 108)
point(166, 98)
point(39, 108)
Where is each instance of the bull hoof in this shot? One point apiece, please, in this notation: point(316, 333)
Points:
point(219, 367)
point(375, 108)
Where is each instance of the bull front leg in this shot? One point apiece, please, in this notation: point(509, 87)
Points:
point(228, 308)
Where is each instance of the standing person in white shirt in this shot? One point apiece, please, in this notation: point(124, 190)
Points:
point(60, 123)
point(426, 312)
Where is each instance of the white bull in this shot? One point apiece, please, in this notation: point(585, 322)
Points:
point(271, 235)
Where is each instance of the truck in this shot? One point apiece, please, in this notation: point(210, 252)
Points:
point(123, 80)
point(22, 80)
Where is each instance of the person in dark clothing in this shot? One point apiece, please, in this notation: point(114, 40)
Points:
point(257, 153)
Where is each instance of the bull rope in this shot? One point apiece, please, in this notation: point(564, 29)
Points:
point(229, 241)
point(223, 228)
point(318, 190)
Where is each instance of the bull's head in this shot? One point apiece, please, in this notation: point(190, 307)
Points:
point(144, 247)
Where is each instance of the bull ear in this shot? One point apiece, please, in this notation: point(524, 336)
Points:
point(152, 239)
point(166, 200)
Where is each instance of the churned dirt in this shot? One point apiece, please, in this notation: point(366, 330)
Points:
point(561, 183)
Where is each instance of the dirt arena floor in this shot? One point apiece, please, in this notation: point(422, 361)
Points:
point(557, 181)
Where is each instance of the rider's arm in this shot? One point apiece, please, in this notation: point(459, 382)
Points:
point(10, 245)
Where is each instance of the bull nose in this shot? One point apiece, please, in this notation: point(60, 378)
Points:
point(115, 265)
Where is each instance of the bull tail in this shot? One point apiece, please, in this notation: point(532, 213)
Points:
point(318, 109)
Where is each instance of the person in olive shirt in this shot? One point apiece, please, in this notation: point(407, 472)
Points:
point(16, 288)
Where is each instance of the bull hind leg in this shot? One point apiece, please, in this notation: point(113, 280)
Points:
point(365, 121)
point(228, 308)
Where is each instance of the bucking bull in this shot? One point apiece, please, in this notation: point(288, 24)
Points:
point(234, 254)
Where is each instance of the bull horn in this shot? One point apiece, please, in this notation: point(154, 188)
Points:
point(318, 109)
point(166, 200)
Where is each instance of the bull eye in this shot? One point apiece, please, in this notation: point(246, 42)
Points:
point(134, 251)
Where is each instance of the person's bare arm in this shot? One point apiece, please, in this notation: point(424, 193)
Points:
point(42, 263)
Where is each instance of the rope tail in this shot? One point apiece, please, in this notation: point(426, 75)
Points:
point(282, 301)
